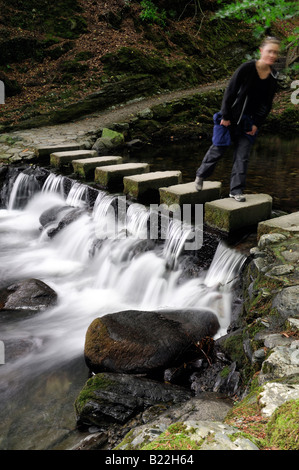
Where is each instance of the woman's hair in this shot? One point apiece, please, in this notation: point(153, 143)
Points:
point(270, 40)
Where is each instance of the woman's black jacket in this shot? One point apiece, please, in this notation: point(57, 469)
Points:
point(236, 94)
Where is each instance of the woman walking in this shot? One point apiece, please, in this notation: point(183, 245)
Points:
point(246, 103)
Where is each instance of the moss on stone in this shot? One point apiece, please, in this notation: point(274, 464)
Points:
point(233, 346)
point(217, 218)
point(283, 427)
point(176, 437)
point(98, 381)
point(117, 138)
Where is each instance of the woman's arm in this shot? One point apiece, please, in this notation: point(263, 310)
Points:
point(238, 80)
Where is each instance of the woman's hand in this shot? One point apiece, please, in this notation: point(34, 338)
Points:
point(253, 130)
point(225, 122)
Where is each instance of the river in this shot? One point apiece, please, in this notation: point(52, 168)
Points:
point(273, 166)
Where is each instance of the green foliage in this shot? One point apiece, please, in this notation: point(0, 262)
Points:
point(260, 14)
point(151, 14)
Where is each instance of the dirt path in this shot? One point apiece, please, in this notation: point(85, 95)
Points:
point(79, 130)
point(126, 111)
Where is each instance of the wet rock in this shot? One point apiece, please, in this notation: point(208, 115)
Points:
point(20, 347)
point(51, 215)
point(58, 217)
point(28, 295)
point(144, 342)
point(108, 398)
point(217, 378)
point(93, 441)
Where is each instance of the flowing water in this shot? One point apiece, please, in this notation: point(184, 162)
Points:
point(102, 262)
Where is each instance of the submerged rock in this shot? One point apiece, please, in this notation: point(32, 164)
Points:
point(144, 342)
point(57, 218)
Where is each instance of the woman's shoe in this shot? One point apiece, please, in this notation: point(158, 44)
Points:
point(198, 183)
point(238, 197)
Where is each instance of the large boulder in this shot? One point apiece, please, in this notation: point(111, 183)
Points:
point(145, 342)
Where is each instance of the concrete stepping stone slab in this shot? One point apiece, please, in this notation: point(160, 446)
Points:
point(46, 150)
point(146, 186)
point(229, 215)
point(284, 224)
point(58, 159)
point(85, 167)
point(112, 176)
point(187, 194)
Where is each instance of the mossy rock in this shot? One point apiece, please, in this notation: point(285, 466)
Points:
point(109, 397)
point(176, 437)
point(117, 138)
point(233, 347)
point(282, 429)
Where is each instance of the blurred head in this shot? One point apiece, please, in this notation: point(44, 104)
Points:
point(269, 50)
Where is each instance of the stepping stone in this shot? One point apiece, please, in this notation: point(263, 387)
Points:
point(46, 150)
point(229, 215)
point(85, 167)
point(187, 194)
point(59, 159)
point(147, 186)
point(112, 176)
point(284, 224)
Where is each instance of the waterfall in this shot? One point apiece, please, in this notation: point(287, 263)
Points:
point(176, 236)
point(99, 265)
point(54, 183)
point(24, 187)
point(78, 195)
point(137, 221)
point(225, 266)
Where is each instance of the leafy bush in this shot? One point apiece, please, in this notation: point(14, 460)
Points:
point(151, 14)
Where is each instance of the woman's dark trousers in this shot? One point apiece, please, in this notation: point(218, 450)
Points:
point(242, 149)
